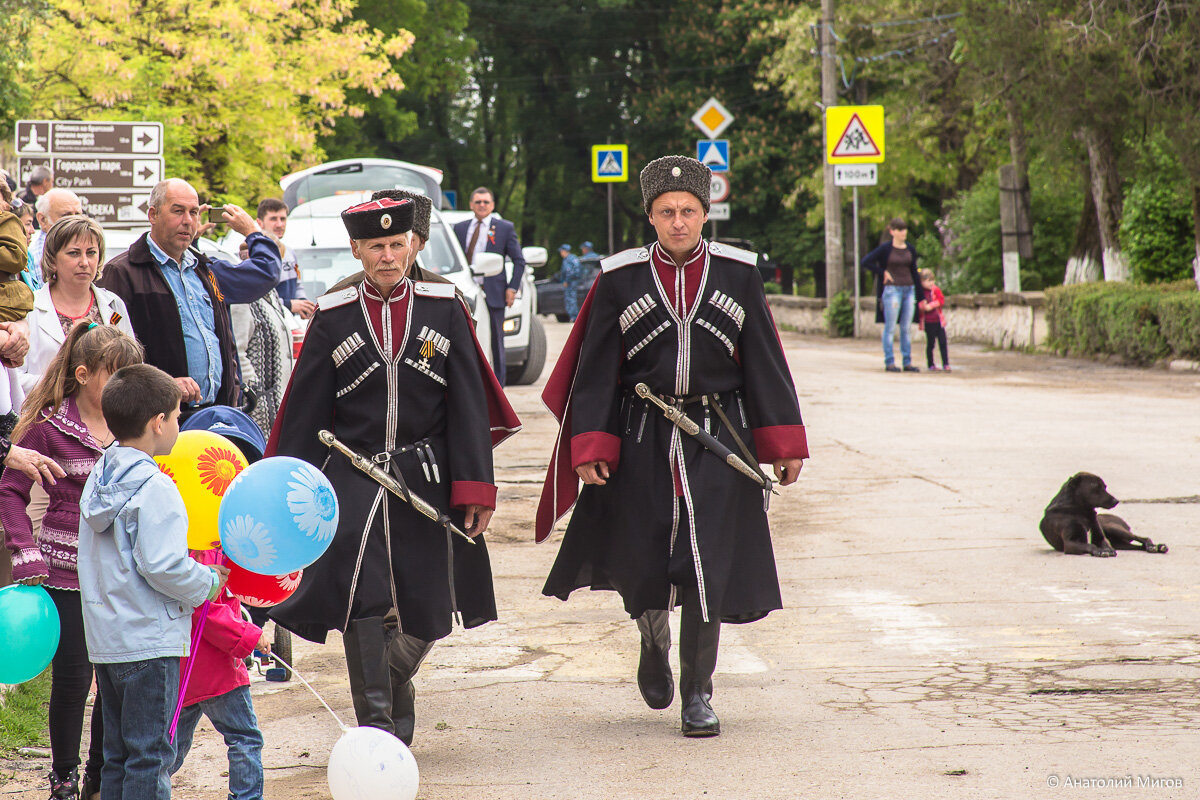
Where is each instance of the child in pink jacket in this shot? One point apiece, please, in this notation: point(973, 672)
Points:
point(220, 688)
point(933, 319)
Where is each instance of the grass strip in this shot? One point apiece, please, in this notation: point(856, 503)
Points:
point(24, 715)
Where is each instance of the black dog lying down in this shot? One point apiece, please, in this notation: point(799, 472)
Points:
point(1071, 517)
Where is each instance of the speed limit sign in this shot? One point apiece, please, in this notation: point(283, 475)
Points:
point(720, 187)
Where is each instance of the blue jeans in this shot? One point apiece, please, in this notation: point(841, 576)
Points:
point(138, 700)
point(232, 714)
point(898, 304)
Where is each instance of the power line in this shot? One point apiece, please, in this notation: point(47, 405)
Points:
point(603, 76)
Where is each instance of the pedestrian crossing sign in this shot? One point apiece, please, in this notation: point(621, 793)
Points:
point(713, 153)
point(854, 135)
point(610, 163)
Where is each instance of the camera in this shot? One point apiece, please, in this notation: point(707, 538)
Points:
point(214, 214)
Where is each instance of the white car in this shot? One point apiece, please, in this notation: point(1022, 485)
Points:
point(524, 336)
point(316, 234)
point(359, 175)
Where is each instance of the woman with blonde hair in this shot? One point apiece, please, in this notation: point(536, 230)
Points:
point(71, 263)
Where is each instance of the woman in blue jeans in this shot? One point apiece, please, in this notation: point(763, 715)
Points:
point(897, 292)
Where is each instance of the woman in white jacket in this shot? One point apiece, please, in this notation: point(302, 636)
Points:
point(71, 261)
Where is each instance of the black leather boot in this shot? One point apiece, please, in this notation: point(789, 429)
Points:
point(366, 642)
point(698, 641)
point(404, 659)
point(654, 669)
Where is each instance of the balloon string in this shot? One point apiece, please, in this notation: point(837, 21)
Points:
point(292, 670)
point(187, 673)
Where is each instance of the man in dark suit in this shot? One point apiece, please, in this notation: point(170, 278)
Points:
point(488, 233)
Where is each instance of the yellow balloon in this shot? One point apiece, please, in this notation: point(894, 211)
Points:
point(202, 464)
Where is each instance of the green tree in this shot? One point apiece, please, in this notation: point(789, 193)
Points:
point(243, 89)
point(1156, 229)
point(416, 124)
point(544, 81)
point(1168, 69)
point(21, 19)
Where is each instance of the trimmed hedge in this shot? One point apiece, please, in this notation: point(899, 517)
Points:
point(1140, 323)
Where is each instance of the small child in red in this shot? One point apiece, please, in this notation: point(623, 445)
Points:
point(220, 688)
point(933, 319)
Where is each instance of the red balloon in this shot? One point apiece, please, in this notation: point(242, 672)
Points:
point(261, 591)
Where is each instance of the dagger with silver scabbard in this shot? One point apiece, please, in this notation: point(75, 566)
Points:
point(373, 471)
point(710, 443)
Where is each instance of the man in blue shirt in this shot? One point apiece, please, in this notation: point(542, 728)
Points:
point(175, 296)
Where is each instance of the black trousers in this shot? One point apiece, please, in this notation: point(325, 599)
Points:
point(71, 678)
point(497, 318)
point(935, 332)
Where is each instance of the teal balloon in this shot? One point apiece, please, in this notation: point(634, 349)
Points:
point(29, 631)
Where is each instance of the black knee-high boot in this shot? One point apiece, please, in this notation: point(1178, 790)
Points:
point(654, 669)
point(698, 641)
point(404, 659)
point(366, 642)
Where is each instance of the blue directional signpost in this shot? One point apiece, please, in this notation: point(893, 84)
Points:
point(610, 164)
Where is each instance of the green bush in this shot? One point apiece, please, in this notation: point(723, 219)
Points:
point(839, 315)
point(1179, 316)
point(1156, 225)
point(770, 287)
point(971, 258)
point(1140, 323)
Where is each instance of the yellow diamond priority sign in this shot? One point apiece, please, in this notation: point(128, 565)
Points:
point(712, 118)
point(854, 135)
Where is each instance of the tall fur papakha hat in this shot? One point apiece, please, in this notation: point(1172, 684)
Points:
point(421, 214)
point(676, 174)
point(378, 218)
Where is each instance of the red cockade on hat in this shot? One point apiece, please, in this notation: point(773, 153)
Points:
point(377, 205)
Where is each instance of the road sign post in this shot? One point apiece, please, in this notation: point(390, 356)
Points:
point(112, 166)
point(610, 164)
point(854, 145)
point(712, 119)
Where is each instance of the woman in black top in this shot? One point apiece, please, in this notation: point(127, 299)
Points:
point(897, 292)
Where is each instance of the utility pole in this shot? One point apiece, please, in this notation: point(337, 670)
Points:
point(834, 258)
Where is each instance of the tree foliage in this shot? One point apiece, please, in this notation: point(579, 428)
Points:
point(545, 81)
point(243, 87)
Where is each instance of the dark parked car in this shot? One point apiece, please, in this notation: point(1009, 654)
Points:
point(550, 290)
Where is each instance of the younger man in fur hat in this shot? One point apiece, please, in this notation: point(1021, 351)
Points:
point(392, 368)
point(659, 519)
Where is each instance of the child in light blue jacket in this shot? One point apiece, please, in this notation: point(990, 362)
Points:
point(138, 584)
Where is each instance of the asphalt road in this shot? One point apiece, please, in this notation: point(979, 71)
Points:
point(933, 645)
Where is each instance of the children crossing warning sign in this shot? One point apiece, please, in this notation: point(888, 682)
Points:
point(854, 135)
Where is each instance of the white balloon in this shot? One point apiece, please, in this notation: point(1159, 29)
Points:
point(370, 764)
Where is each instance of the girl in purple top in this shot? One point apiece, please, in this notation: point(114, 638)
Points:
point(61, 419)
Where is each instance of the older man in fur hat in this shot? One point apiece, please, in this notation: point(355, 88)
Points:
point(660, 519)
point(392, 368)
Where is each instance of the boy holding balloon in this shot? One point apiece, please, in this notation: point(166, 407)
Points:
point(137, 582)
